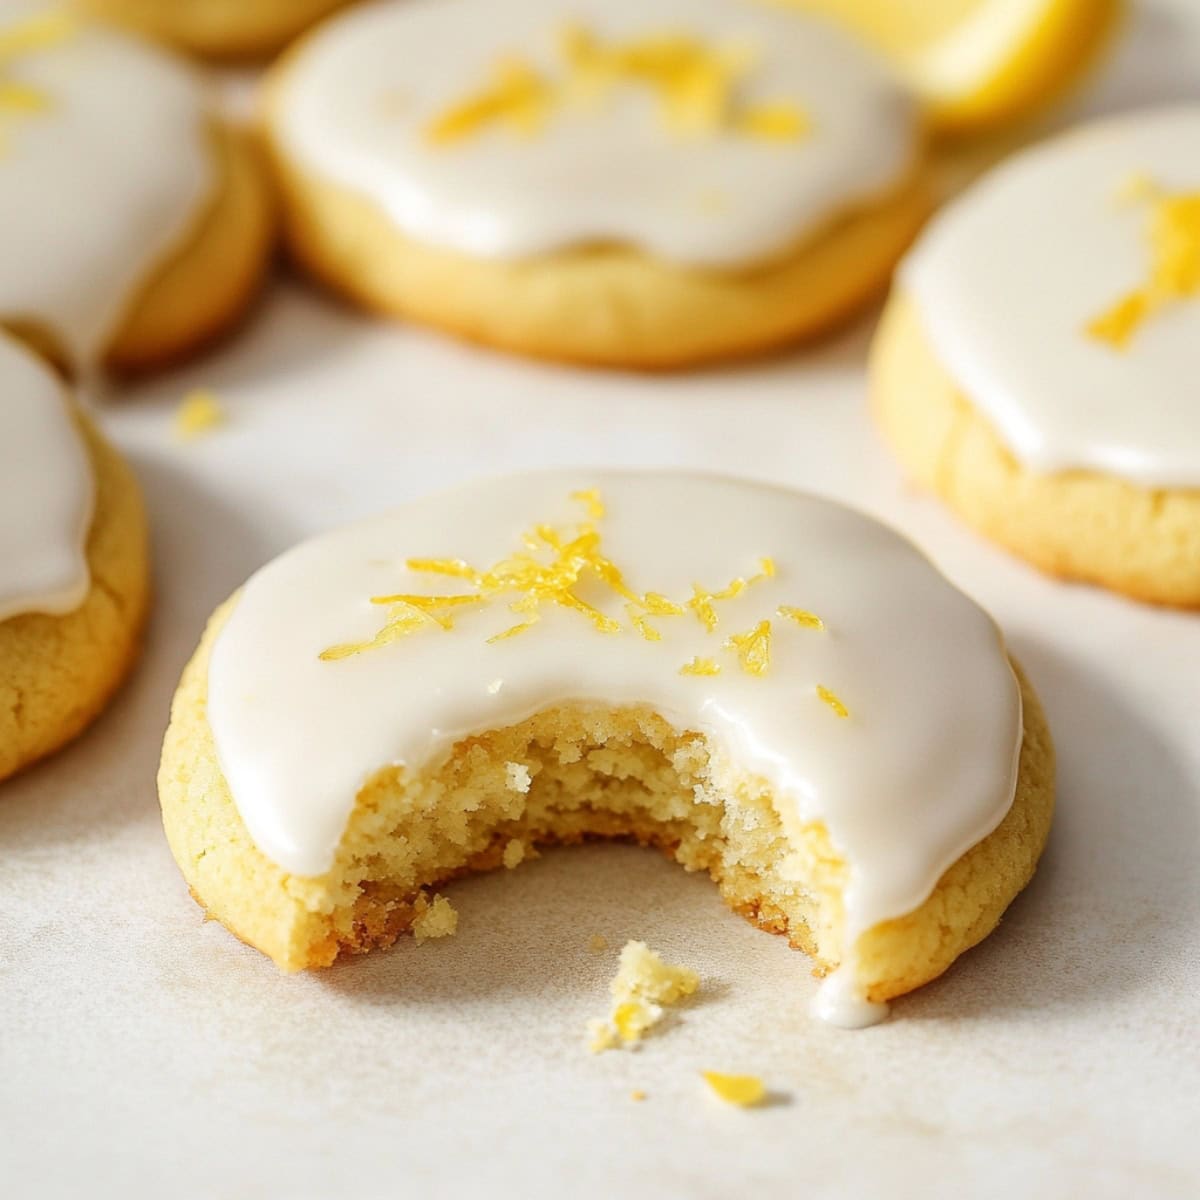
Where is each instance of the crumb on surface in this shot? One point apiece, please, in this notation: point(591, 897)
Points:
point(517, 777)
point(199, 412)
point(744, 1091)
point(514, 853)
point(438, 918)
point(642, 988)
point(597, 942)
point(637, 1094)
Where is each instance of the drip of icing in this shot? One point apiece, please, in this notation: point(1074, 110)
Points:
point(921, 768)
point(86, 211)
point(46, 491)
point(839, 1000)
point(828, 129)
point(1008, 280)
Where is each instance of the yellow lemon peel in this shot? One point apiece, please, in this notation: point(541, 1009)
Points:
point(694, 84)
point(199, 412)
point(742, 1090)
point(700, 666)
point(39, 32)
point(801, 616)
point(832, 700)
point(753, 648)
point(1173, 235)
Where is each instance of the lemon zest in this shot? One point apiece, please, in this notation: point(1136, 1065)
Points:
point(753, 648)
point(831, 698)
point(39, 32)
point(700, 666)
point(802, 617)
point(200, 412)
point(742, 1090)
point(1173, 234)
point(694, 84)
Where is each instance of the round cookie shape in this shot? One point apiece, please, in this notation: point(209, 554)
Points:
point(1020, 285)
point(91, 223)
point(217, 28)
point(574, 173)
point(362, 103)
point(49, 491)
point(74, 575)
point(726, 646)
point(1035, 366)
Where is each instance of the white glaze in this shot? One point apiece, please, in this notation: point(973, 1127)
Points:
point(355, 104)
point(46, 491)
point(1008, 277)
point(98, 189)
point(921, 770)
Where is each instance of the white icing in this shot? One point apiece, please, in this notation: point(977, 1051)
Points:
point(46, 491)
point(922, 769)
point(1008, 277)
point(839, 1000)
point(98, 188)
point(356, 102)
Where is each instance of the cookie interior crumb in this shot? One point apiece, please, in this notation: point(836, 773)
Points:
point(437, 919)
point(642, 988)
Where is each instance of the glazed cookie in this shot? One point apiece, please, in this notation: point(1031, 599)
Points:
point(1037, 366)
point(631, 188)
point(772, 688)
point(134, 224)
point(73, 563)
point(218, 28)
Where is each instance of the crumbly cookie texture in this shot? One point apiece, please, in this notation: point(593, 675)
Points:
point(217, 28)
point(595, 771)
point(643, 987)
point(58, 672)
point(1083, 525)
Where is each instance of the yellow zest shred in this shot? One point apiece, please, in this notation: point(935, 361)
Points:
point(1173, 234)
point(590, 499)
point(700, 666)
point(801, 616)
point(832, 700)
point(753, 648)
point(742, 1090)
point(694, 84)
point(199, 413)
point(767, 567)
point(515, 96)
point(637, 1095)
point(39, 32)
point(454, 567)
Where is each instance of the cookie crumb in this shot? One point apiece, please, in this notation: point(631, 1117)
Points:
point(517, 777)
point(200, 412)
point(642, 988)
point(514, 853)
point(597, 942)
point(637, 1094)
point(744, 1091)
point(437, 919)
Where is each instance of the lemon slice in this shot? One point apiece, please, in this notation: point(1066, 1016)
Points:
point(981, 63)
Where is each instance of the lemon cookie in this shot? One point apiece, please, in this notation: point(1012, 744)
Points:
point(613, 186)
point(134, 223)
point(218, 28)
point(73, 567)
point(1037, 367)
point(770, 687)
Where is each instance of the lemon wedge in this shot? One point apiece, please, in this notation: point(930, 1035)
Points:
point(980, 64)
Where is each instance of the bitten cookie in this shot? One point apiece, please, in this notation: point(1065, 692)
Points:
point(217, 28)
point(772, 688)
point(73, 563)
point(134, 223)
point(612, 185)
point(1037, 366)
